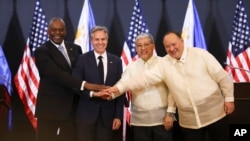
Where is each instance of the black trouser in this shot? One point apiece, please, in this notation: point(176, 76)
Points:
point(96, 131)
point(54, 130)
point(218, 131)
point(151, 133)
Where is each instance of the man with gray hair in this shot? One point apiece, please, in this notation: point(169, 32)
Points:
point(148, 105)
point(202, 109)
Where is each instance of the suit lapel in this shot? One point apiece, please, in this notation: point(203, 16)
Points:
point(58, 57)
point(70, 52)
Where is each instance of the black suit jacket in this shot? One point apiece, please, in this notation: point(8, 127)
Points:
point(89, 109)
point(55, 97)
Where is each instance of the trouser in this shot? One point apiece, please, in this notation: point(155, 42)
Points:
point(95, 131)
point(151, 133)
point(218, 131)
point(54, 130)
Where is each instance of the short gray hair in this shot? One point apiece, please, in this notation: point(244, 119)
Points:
point(145, 35)
point(56, 19)
point(98, 28)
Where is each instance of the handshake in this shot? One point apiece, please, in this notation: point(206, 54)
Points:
point(102, 91)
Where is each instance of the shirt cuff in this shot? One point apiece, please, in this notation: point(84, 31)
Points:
point(91, 94)
point(171, 109)
point(229, 99)
point(120, 88)
point(82, 87)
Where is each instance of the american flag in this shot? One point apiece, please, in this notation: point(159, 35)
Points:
point(238, 56)
point(27, 77)
point(137, 26)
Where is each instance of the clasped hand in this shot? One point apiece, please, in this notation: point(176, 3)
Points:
point(107, 93)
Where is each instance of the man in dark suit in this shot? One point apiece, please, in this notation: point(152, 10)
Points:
point(97, 118)
point(56, 100)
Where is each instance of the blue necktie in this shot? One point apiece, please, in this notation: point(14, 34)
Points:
point(100, 69)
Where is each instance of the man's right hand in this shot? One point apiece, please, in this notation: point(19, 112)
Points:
point(94, 87)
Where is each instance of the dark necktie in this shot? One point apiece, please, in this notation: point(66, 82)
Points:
point(100, 69)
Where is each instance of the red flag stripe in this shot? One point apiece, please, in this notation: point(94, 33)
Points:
point(27, 81)
point(238, 57)
point(27, 77)
point(124, 58)
point(241, 61)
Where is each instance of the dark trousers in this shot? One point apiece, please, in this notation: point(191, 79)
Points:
point(96, 131)
point(151, 133)
point(54, 130)
point(218, 131)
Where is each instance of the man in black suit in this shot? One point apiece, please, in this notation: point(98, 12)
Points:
point(56, 100)
point(97, 118)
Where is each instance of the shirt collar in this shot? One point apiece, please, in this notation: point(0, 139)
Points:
point(62, 44)
point(104, 55)
point(150, 60)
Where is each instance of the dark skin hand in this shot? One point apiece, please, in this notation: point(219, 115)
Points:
point(94, 87)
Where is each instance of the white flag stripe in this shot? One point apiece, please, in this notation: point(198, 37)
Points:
point(238, 56)
point(27, 77)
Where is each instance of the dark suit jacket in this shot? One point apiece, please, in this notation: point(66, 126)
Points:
point(55, 95)
point(90, 108)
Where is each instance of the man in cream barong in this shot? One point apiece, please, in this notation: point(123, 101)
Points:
point(202, 90)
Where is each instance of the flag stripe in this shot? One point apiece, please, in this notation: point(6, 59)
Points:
point(30, 76)
point(239, 75)
point(27, 84)
point(137, 25)
point(126, 55)
point(27, 77)
point(238, 56)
